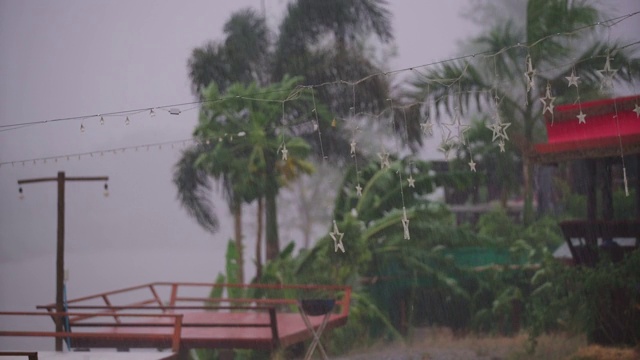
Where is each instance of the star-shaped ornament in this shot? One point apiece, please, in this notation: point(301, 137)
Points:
point(447, 136)
point(384, 159)
point(285, 152)
point(359, 190)
point(427, 128)
point(353, 148)
point(405, 224)
point(530, 74)
point(499, 130)
point(503, 130)
point(581, 118)
point(636, 110)
point(573, 79)
point(336, 235)
point(460, 129)
point(547, 101)
point(472, 165)
point(501, 145)
point(412, 181)
point(607, 74)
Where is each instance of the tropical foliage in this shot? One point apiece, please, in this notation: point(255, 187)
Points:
point(496, 84)
point(241, 143)
point(322, 41)
point(405, 257)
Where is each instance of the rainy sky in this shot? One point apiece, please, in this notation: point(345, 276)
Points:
point(77, 58)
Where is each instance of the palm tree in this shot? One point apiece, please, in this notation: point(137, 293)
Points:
point(242, 144)
point(323, 41)
point(499, 83)
point(245, 56)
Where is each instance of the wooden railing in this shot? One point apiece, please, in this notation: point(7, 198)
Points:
point(173, 339)
point(341, 293)
point(30, 355)
point(81, 315)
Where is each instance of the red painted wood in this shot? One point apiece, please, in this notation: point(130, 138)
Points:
point(291, 330)
point(601, 130)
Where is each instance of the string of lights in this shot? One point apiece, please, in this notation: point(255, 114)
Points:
point(179, 108)
point(175, 109)
point(99, 153)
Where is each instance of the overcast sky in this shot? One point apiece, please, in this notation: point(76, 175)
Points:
point(77, 57)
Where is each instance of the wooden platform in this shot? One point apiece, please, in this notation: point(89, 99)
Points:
point(266, 322)
point(210, 330)
point(52, 355)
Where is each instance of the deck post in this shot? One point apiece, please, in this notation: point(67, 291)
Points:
point(174, 294)
point(61, 179)
point(273, 321)
point(177, 333)
point(60, 259)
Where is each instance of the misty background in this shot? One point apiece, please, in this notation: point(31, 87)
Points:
point(72, 58)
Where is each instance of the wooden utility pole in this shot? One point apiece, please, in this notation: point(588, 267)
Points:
point(61, 179)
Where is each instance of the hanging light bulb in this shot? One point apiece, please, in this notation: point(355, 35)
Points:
point(127, 121)
point(101, 120)
point(106, 190)
point(152, 113)
point(81, 128)
point(21, 196)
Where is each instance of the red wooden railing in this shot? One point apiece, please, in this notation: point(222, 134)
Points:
point(80, 313)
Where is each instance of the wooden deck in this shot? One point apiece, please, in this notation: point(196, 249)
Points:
point(266, 322)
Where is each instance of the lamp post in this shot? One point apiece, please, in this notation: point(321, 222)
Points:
point(61, 179)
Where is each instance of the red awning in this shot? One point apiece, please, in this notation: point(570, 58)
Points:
point(611, 128)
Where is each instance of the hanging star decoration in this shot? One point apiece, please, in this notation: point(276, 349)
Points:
point(359, 190)
point(530, 74)
point(459, 136)
point(607, 74)
point(636, 110)
point(459, 127)
point(499, 130)
point(501, 145)
point(353, 148)
point(405, 224)
point(336, 235)
point(472, 165)
point(285, 152)
point(573, 79)
point(447, 133)
point(384, 159)
point(412, 181)
point(581, 117)
point(547, 101)
point(427, 128)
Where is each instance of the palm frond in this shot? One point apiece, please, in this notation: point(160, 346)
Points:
point(194, 190)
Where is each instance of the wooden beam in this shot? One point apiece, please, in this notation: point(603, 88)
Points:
point(60, 259)
point(61, 179)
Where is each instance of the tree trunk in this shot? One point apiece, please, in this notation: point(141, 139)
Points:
point(259, 240)
point(271, 212)
point(527, 166)
point(237, 217)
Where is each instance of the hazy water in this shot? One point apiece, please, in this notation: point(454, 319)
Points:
point(30, 282)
